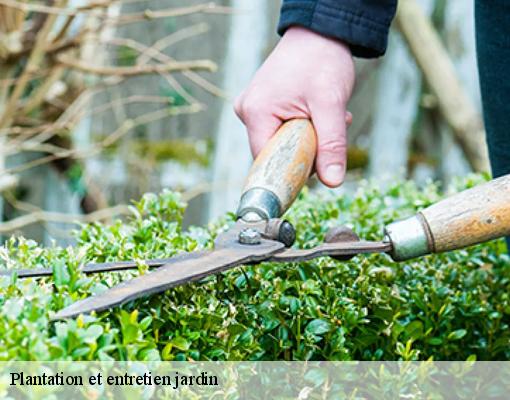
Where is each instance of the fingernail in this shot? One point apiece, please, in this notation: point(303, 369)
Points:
point(334, 174)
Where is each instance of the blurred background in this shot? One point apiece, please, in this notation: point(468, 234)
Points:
point(103, 100)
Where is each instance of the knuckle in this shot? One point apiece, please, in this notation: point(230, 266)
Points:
point(333, 146)
point(241, 98)
point(334, 97)
point(247, 106)
point(329, 98)
point(238, 107)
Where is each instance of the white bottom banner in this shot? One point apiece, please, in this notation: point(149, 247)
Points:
point(255, 380)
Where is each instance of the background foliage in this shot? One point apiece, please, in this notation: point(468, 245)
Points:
point(445, 307)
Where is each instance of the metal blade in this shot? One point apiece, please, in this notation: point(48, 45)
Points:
point(181, 270)
point(331, 250)
point(224, 239)
point(93, 268)
point(288, 255)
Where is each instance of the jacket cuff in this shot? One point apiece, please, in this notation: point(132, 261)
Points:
point(367, 37)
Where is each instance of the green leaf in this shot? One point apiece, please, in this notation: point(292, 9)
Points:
point(181, 343)
point(414, 330)
point(81, 352)
point(60, 274)
point(145, 323)
point(294, 305)
point(270, 322)
point(166, 352)
point(318, 327)
point(457, 335)
point(92, 333)
point(435, 341)
point(130, 333)
point(283, 311)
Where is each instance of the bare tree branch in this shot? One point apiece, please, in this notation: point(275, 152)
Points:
point(82, 66)
point(32, 63)
point(47, 216)
point(127, 126)
point(210, 7)
point(148, 14)
point(55, 10)
point(152, 52)
point(45, 58)
point(7, 182)
point(169, 40)
point(454, 103)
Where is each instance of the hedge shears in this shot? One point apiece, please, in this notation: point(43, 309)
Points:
point(260, 234)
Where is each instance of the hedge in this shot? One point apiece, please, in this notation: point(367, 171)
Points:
point(444, 307)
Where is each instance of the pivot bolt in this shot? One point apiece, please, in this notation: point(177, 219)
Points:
point(281, 231)
point(250, 236)
point(287, 234)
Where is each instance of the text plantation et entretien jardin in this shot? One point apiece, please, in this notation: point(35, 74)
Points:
point(147, 379)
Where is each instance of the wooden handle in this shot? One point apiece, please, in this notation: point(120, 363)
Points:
point(474, 216)
point(285, 163)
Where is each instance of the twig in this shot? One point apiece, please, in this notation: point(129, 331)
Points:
point(39, 94)
point(47, 216)
point(65, 28)
point(23, 141)
point(31, 66)
point(26, 131)
point(108, 141)
point(54, 48)
point(148, 14)
point(167, 41)
point(6, 82)
point(19, 204)
point(179, 89)
point(173, 12)
point(7, 182)
point(206, 65)
point(161, 57)
point(54, 10)
point(204, 84)
point(156, 55)
point(136, 98)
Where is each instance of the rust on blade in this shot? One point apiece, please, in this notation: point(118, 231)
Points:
point(223, 240)
point(194, 266)
point(92, 268)
point(187, 268)
point(331, 250)
point(286, 255)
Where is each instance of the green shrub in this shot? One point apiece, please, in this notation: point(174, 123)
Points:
point(446, 307)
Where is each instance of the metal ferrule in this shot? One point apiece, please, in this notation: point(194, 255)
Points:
point(258, 202)
point(410, 238)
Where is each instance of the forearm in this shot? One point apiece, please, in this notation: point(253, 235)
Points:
point(363, 24)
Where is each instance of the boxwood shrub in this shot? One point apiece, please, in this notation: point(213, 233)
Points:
point(444, 307)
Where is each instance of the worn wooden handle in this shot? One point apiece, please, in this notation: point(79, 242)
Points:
point(474, 216)
point(285, 163)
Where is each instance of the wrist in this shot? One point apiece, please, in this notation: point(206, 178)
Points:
point(298, 33)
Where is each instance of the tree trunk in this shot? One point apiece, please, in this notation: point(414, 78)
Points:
point(439, 72)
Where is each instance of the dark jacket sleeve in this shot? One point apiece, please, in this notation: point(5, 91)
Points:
point(363, 24)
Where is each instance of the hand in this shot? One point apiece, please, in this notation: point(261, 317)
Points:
point(306, 76)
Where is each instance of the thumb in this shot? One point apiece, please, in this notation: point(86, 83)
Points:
point(331, 161)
